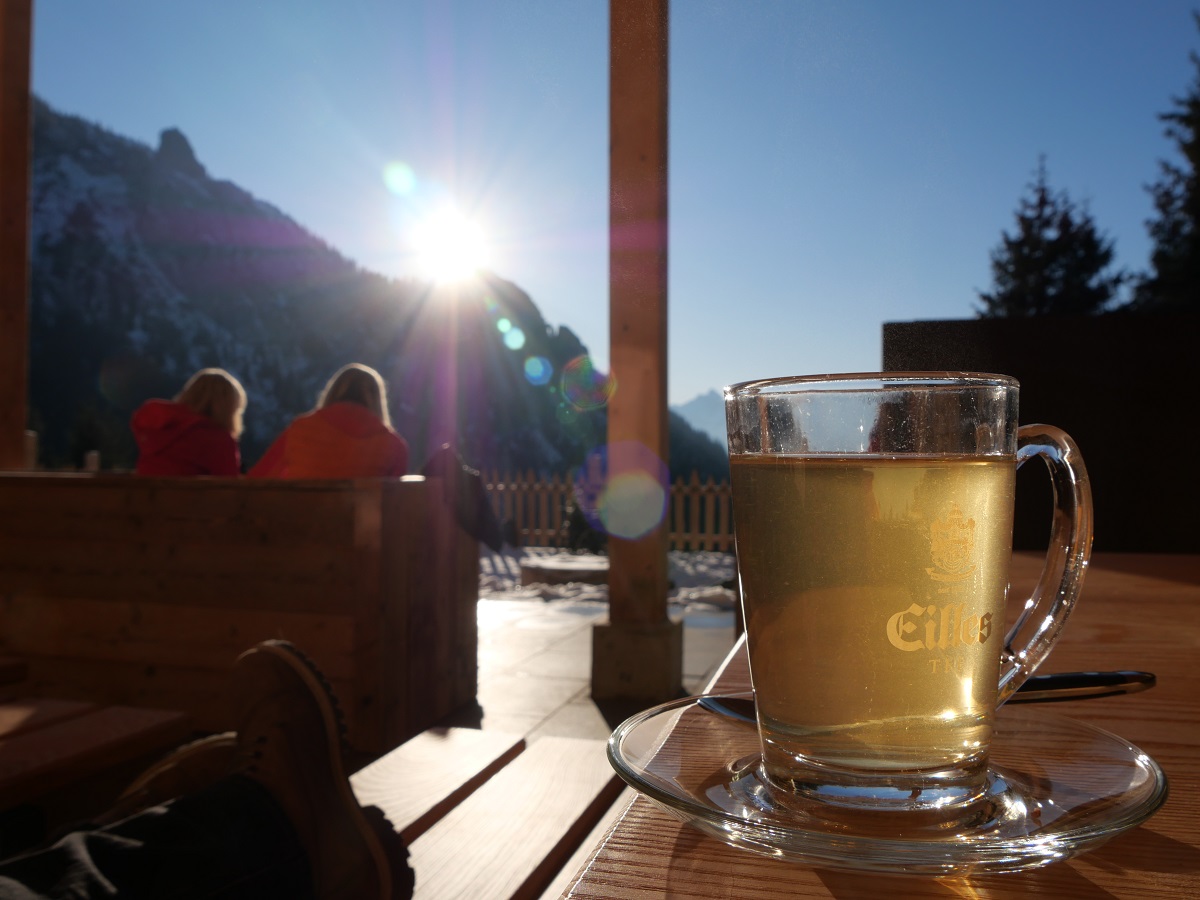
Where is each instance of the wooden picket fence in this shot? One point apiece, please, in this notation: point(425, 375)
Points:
point(700, 514)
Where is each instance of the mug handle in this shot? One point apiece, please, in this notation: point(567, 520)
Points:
point(1030, 639)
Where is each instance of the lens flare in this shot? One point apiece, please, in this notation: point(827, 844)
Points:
point(399, 178)
point(627, 489)
point(585, 386)
point(632, 505)
point(566, 414)
point(503, 326)
point(514, 338)
point(538, 370)
point(588, 483)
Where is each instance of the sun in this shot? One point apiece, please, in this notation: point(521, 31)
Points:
point(449, 246)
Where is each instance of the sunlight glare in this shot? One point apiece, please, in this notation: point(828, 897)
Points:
point(449, 246)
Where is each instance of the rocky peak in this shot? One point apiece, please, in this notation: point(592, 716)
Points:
point(175, 150)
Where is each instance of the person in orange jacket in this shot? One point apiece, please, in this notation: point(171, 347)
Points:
point(194, 434)
point(348, 435)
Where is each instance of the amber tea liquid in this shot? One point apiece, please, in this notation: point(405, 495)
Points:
point(873, 591)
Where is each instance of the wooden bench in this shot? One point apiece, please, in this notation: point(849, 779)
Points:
point(486, 815)
point(62, 760)
point(133, 591)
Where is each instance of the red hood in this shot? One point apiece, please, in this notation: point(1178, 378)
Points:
point(342, 440)
point(350, 419)
point(159, 423)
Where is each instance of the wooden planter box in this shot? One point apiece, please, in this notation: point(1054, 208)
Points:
point(120, 589)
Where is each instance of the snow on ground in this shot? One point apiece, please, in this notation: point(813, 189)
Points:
point(698, 578)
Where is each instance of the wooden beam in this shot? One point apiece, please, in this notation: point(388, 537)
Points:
point(638, 287)
point(16, 21)
point(638, 653)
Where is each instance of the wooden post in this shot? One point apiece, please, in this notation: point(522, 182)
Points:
point(637, 654)
point(16, 18)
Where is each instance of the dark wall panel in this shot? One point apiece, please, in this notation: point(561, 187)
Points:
point(1124, 387)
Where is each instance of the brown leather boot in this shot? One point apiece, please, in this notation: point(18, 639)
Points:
point(186, 770)
point(289, 728)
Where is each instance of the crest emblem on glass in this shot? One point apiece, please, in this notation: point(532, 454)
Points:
point(873, 517)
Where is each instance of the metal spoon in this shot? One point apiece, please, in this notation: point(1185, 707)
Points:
point(1048, 688)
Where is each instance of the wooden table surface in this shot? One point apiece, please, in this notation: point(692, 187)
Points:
point(1136, 612)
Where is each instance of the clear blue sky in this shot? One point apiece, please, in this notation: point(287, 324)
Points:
point(834, 165)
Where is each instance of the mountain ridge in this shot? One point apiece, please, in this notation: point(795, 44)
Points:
point(705, 413)
point(145, 269)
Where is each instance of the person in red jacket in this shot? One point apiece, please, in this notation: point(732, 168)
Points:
point(197, 432)
point(348, 435)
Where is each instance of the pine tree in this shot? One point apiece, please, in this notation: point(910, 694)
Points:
point(1175, 259)
point(1055, 263)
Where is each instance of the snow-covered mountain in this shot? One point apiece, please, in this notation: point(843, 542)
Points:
point(705, 413)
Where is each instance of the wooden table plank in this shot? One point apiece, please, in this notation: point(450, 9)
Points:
point(570, 871)
point(424, 778)
point(512, 836)
point(1136, 611)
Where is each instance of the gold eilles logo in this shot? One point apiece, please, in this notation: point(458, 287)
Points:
point(952, 547)
point(952, 552)
point(937, 628)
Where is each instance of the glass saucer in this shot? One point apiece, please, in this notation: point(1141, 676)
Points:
point(1057, 787)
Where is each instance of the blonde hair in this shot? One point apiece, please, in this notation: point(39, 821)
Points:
point(359, 384)
point(216, 394)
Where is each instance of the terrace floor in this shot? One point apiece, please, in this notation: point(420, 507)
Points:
point(535, 645)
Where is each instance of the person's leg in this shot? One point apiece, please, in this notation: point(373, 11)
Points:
point(229, 841)
point(287, 826)
point(289, 725)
